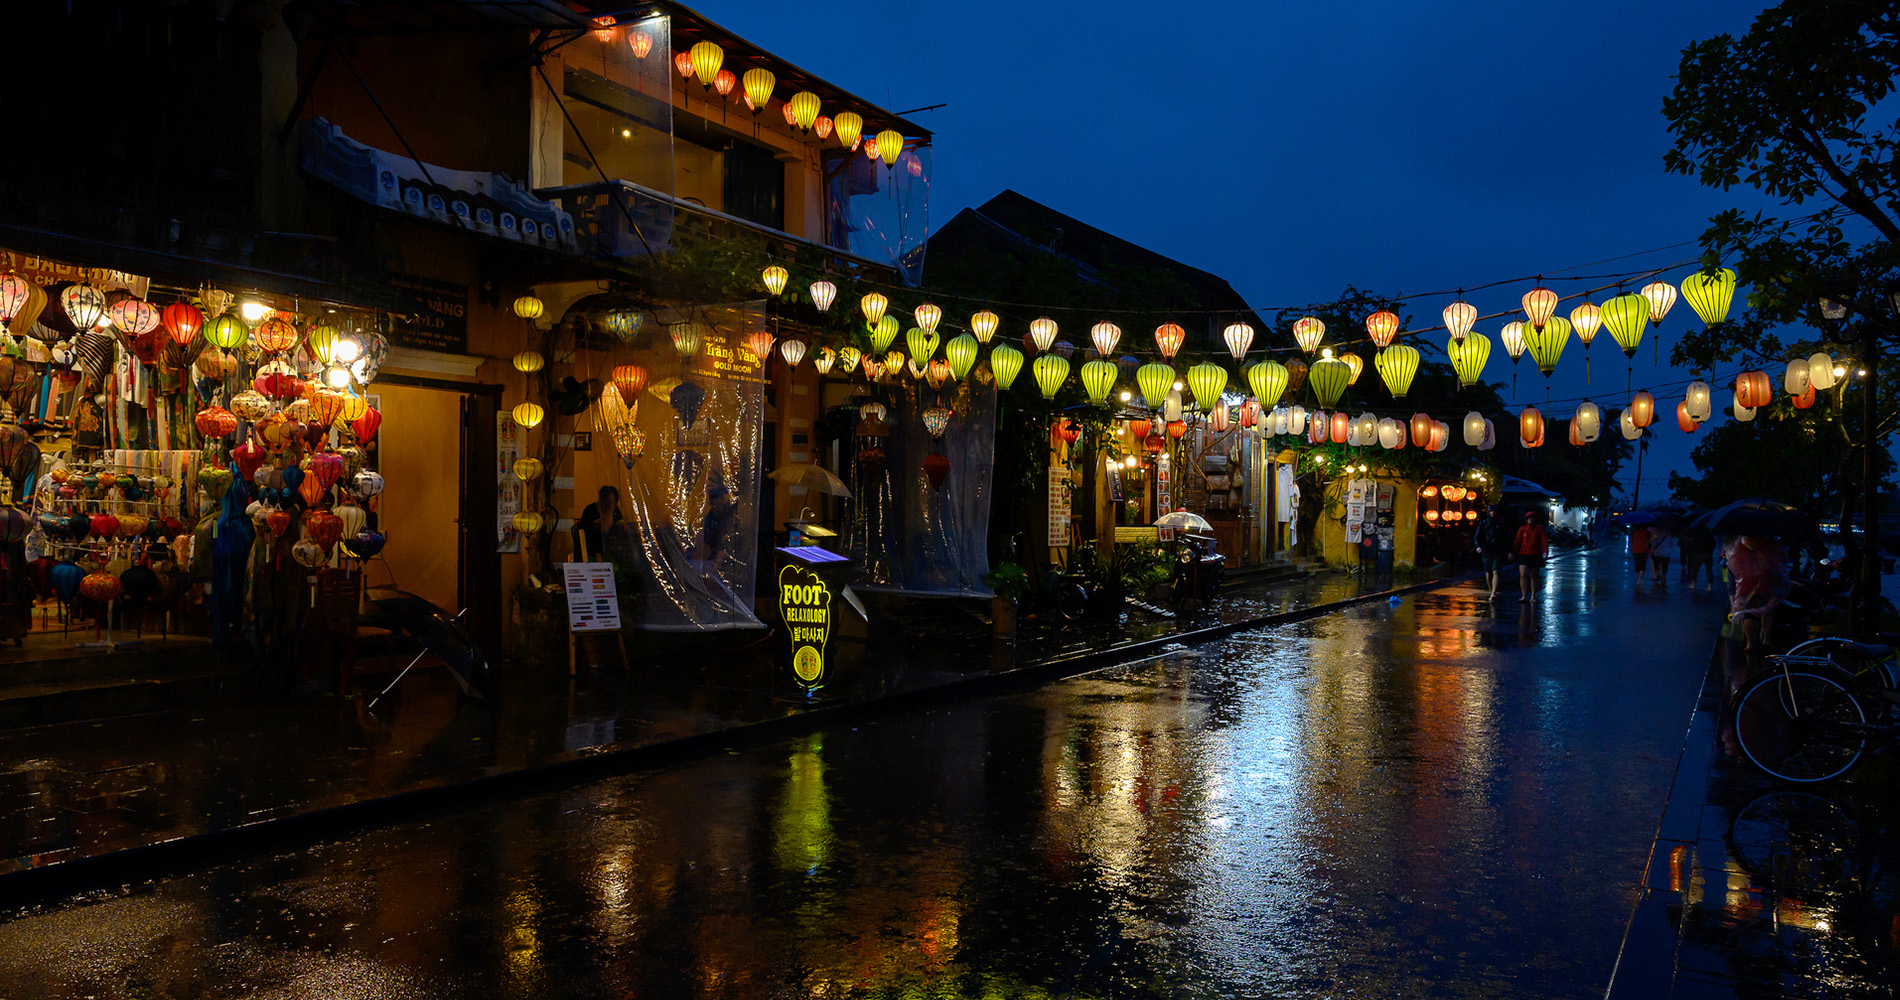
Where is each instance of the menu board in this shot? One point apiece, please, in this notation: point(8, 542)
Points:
point(593, 605)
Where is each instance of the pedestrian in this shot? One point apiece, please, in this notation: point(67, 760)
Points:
point(1639, 553)
point(1493, 540)
point(1662, 548)
point(1698, 557)
point(1760, 567)
point(1533, 544)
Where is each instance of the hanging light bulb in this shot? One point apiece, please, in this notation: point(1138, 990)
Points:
point(1168, 339)
point(1660, 295)
point(706, 59)
point(1539, 304)
point(1382, 326)
point(1586, 319)
point(1043, 332)
point(1106, 336)
point(873, 305)
point(759, 84)
point(1513, 340)
point(1307, 331)
point(983, 324)
point(1468, 357)
point(822, 295)
point(1397, 365)
point(1239, 337)
point(1458, 319)
point(775, 278)
point(1709, 294)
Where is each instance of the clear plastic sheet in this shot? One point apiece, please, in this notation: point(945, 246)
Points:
point(908, 534)
point(880, 212)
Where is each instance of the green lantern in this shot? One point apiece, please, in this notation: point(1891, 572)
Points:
point(1710, 294)
point(1051, 371)
point(883, 333)
point(1269, 379)
point(1328, 378)
point(1207, 381)
point(961, 350)
point(1468, 357)
point(320, 340)
point(1547, 345)
point(923, 345)
point(1006, 363)
point(1156, 381)
point(1098, 377)
point(228, 332)
point(1397, 364)
point(1626, 316)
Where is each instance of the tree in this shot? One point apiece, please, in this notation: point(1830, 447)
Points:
point(1797, 460)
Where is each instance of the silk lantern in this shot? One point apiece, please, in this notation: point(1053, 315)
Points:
point(528, 362)
point(1207, 382)
point(1355, 365)
point(1269, 381)
point(983, 325)
point(1794, 381)
point(1627, 424)
point(1421, 429)
point(1155, 381)
point(1458, 319)
point(528, 415)
point(707, 57)
point(1468, 357)
point(1752, 389)
point(629, 380)
point(1512, 337)
point(1329, 377)
point(775, 278)
point(1307, 331)
point(1685, 419)
point(182, 321)
point(1098, 378)
point(1051, 371)
point(883, 333)
point(1709, 294)
point(1005, 363)
point(1642, 408)
point(1474, 428)
point(1588, 423)
point(1391, 432)
point(1626, 316)
point(1382, 326)
point(961, 353)
point(1105, 336)
point(1660, 296)
point(823, 293)
point(927, 316)
point(1397, 365)
point(1806, 399)
point(1239, 337)
point(1586, 319)
point(850, 126)
point(793, 351)
point(873, 304)
point(1742, 412)
point(1547, 344)
point(1540, 304)
point(1042, 332)
point(1295, 419)
point(1820, 371)
point(1696, 401)
point(890, 144)
point(1530, 428)
point(1341, 427)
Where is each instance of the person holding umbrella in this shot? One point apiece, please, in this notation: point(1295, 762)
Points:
point(1639, 551)
point(1533, 544)
point(1760, 567)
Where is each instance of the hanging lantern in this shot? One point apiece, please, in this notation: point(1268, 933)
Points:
point(1686, 419)
point(1367, 427)
point(1295, 419)
point(1794, 381)
point(1207, 382)
point(227, 332)
point(1042, 333)
point(1458, 319)
point(1177, 429)
point(983, 324)
point(275, 335)
point(528, 415)
point(1168, 339)
point(922, 344)
point(793, 351)
point(1329, 377)
point(1627, 423)
point(961, 353)
point(759, 84)
point(1296, 371)
point(1468, 357)
point(1354, 364)
point(686, 339)
point(824, 359)
point(1219, 420)
point(850, 126)
point(1474, 428)
point(215, 421)
point(1441, 436)
point(1642, 409)
point(1239, 337)
point(1105, 336)
point(1098, 378)
point(775, 278)
point(320, 341)
point(1307, 330)
point(134, 317)
point(1710, 294)
point(1051, 371)
point(1512, 337)
point(1547, 345)
point(630, 380)
point(1588, 423)
point(1155, 381)
point(724, 82)
point(1382, 326)
point(526, 469)
point(529, 307)
point(1005, 363)
point(1390, 432)
point(527, 522)
point(928, 316)
point(1250, 413)
point(821, 127)
point(894, 362)
point(804, 105)
point(1540, 304)
point(1659, 295)
point(182, 321)
point(1421, 430)
point(1576, 435)
point(1696, 401)
point(1140, 428)
point(1586, 319)
point(873, 305)
point(706, 60)
point(1171, 407)
point(822, 294)
point(1341, 428)
point(1806, 399)
point(84, 305)
point(1626, 316)
point(1269, 381)
point(1530, 427)
point(883, 332)
point(14, 293)
point(1820, 372)
point(1397, 365)
point(529, 361)
point(890, 143)
point(1742, 413)
point(622, 323)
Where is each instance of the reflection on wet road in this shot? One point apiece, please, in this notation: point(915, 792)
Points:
point(1422, 800)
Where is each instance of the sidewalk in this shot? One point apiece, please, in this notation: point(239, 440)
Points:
point(132, 790)
point(1761, 888)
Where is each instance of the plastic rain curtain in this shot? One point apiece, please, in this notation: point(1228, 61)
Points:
point(906, 533)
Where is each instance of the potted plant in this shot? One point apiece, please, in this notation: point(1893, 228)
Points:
point(1009, 582)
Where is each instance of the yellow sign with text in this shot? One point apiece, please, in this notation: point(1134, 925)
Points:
point(804, 605)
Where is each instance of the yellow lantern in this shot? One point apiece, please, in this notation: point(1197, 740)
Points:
point(1586, 319)
point(822, 294)
point(529, 307)
point(849, 126)
point(528, 415)
point(759, 84)
point(1356, 364)
point(983, 324)
point(1468, 357)
point(527, 522)
point(1328, 378)
point(1106, 337)
point(961, 353)
point(873, 305)
point(1098, 378)
point(1051, 371)
point(1043, 332)
point(883, 332)
point(848, 357)
point(529, 361)
point(1397, 365)
point(922, 345)
point(1512, 337)
point(1547, 345)
point(1382, 326)
point(1155, 382)
point(775, 279)
point(894, 361)
point(527, 468)
point(707, 58)
point(1709, 294)
point(1626, 316)
point(889, 144)
point(1268, 380)
point(1307, 331)
point(1660, 295)
point(1006, 363)
point(927, 317)
point(1207, 382)
point(686, 338)
point(1458, 319)
point(824, 359)
point(1540, 304)
point(804, 106)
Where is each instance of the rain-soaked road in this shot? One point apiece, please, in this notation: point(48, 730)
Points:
point(1425, 800)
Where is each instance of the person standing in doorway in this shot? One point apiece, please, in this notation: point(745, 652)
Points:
point(1532, 545)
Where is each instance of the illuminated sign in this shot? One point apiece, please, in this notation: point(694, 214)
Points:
point(804, 605)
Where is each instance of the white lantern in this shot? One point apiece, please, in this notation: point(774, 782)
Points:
point(1695, 401)
point(1296, 419)
point(1795, 381)
point(1589, 422)
point(1474, 428)
point(1743, 414)
point(1239, 337)
point(1490, 436)
point(1630, 431)
point(1353, 438)
point(1821, 371)
point(1171, 409)
point(1389, 433)
point(1278, 420)
point(1368, 429)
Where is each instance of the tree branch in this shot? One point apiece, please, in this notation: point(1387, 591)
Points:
point(1851, 196)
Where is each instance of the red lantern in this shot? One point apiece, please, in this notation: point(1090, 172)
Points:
point(1806, 399)
point(1441, 436)
point(1683, 419)
point(275, 335)
point(277, 522)
point(104, 525)
point(1421, 430)
point(1318, 428)
point(1250, 413)
point(101, 586)
point(1530, 427)
point(1642, 408)
point(324, 528)
point(1139, 429)
point(871, 461)
point(1341, 427)
point(183, 321)
point(1154, 444)
point(365, 425)
point(936, 469)
point(1168, 337)
point(1177, 428)
point(1753, 389)
point(1068, 430)
point(1382, 326)
point(215, 421)
point(278, 385)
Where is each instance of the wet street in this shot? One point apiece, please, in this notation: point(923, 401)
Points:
point(1428, 799)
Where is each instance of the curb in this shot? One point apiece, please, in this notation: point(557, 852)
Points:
point(166, 858)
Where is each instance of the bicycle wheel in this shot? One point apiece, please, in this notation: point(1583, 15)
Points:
point(1800, 726)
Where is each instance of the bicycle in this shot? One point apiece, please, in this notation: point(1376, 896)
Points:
point(1810, 718)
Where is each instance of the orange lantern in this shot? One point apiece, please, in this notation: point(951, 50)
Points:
point(182, 320)
point(1441, 436)
point(1431, 515)
point(1753, 389)
point(1168, 337)
point(1806, 399)
point(1421, 430)
point(1177, 428)
point(1341, 427)
point(1576, 436)
point(1530, 427)
point(630, 380)
point(215, 421)
point(275, 335)
point(1683, 419)
point(759, 342)
point(1139, 428)
point(1642, 409)
point(1382, 326)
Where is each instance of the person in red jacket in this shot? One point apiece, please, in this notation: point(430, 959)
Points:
point(1533, 544)
point(1639, 552)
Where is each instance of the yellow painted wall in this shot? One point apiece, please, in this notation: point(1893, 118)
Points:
point(1331, 530)
point(419, 456)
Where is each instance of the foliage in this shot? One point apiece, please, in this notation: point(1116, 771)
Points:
point(1585, 477)
point(1008, 580)
point(1798, 457)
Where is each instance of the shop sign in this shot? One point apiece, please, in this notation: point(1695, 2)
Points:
point(593, 602)
point(724, 359)
point(804, 605)
point(1058, 506)
point(429, 315)
point(44, 271)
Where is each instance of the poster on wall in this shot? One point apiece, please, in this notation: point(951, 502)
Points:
point(507, 487)
point(1058, 506)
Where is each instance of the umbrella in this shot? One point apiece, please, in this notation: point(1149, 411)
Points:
point(1755, 516)
point(441, 634)
point(1636, 518)
point(815, 478)
point(1186, 521)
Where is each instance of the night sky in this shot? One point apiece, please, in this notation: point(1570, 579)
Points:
point(1294, 149)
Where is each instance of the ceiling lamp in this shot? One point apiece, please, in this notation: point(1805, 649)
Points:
point(890, 143)
point(1006, 363)
point(759, 84)
point(1530, 428)
point(1106, 336)
point(961, 353)
point(1098, 378)
point(1547, 345)
point(1588, 423)
point(1043, 333)
point(883, 332)
point(1268, 380)
point(1051, 371)
point(1329, 377)
point(1239, 337)
point(1753, 389)
point(850, 126)
point(1820, 371)
point(792, 350)
point(1307, 330)
point(1685, 419)
point(1586, 319)
point(182, 321)
point(1168, 339)
point(928, 316)
point(1642, 409)
point(1468, 357)
point(1660, 295)
point(1207, 382)
point(873, 304)
point(1382, 326)
point(822, 294)
point(1458, 319)
point(983, 324)
point(804, 105)
point(1397, 365)
point(1696, 400)
point(724, 82)
point(1155, 381)
point(1626, 316)
point(707, 57)
point(528, 415)
point(1540, 304)
point(683, 62)
point(1709, 294)
point(775, 279)
point(1474, 429)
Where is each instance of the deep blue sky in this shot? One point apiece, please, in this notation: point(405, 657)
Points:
point(1294, 149)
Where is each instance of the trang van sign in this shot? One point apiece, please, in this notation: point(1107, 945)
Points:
point(804, 604)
